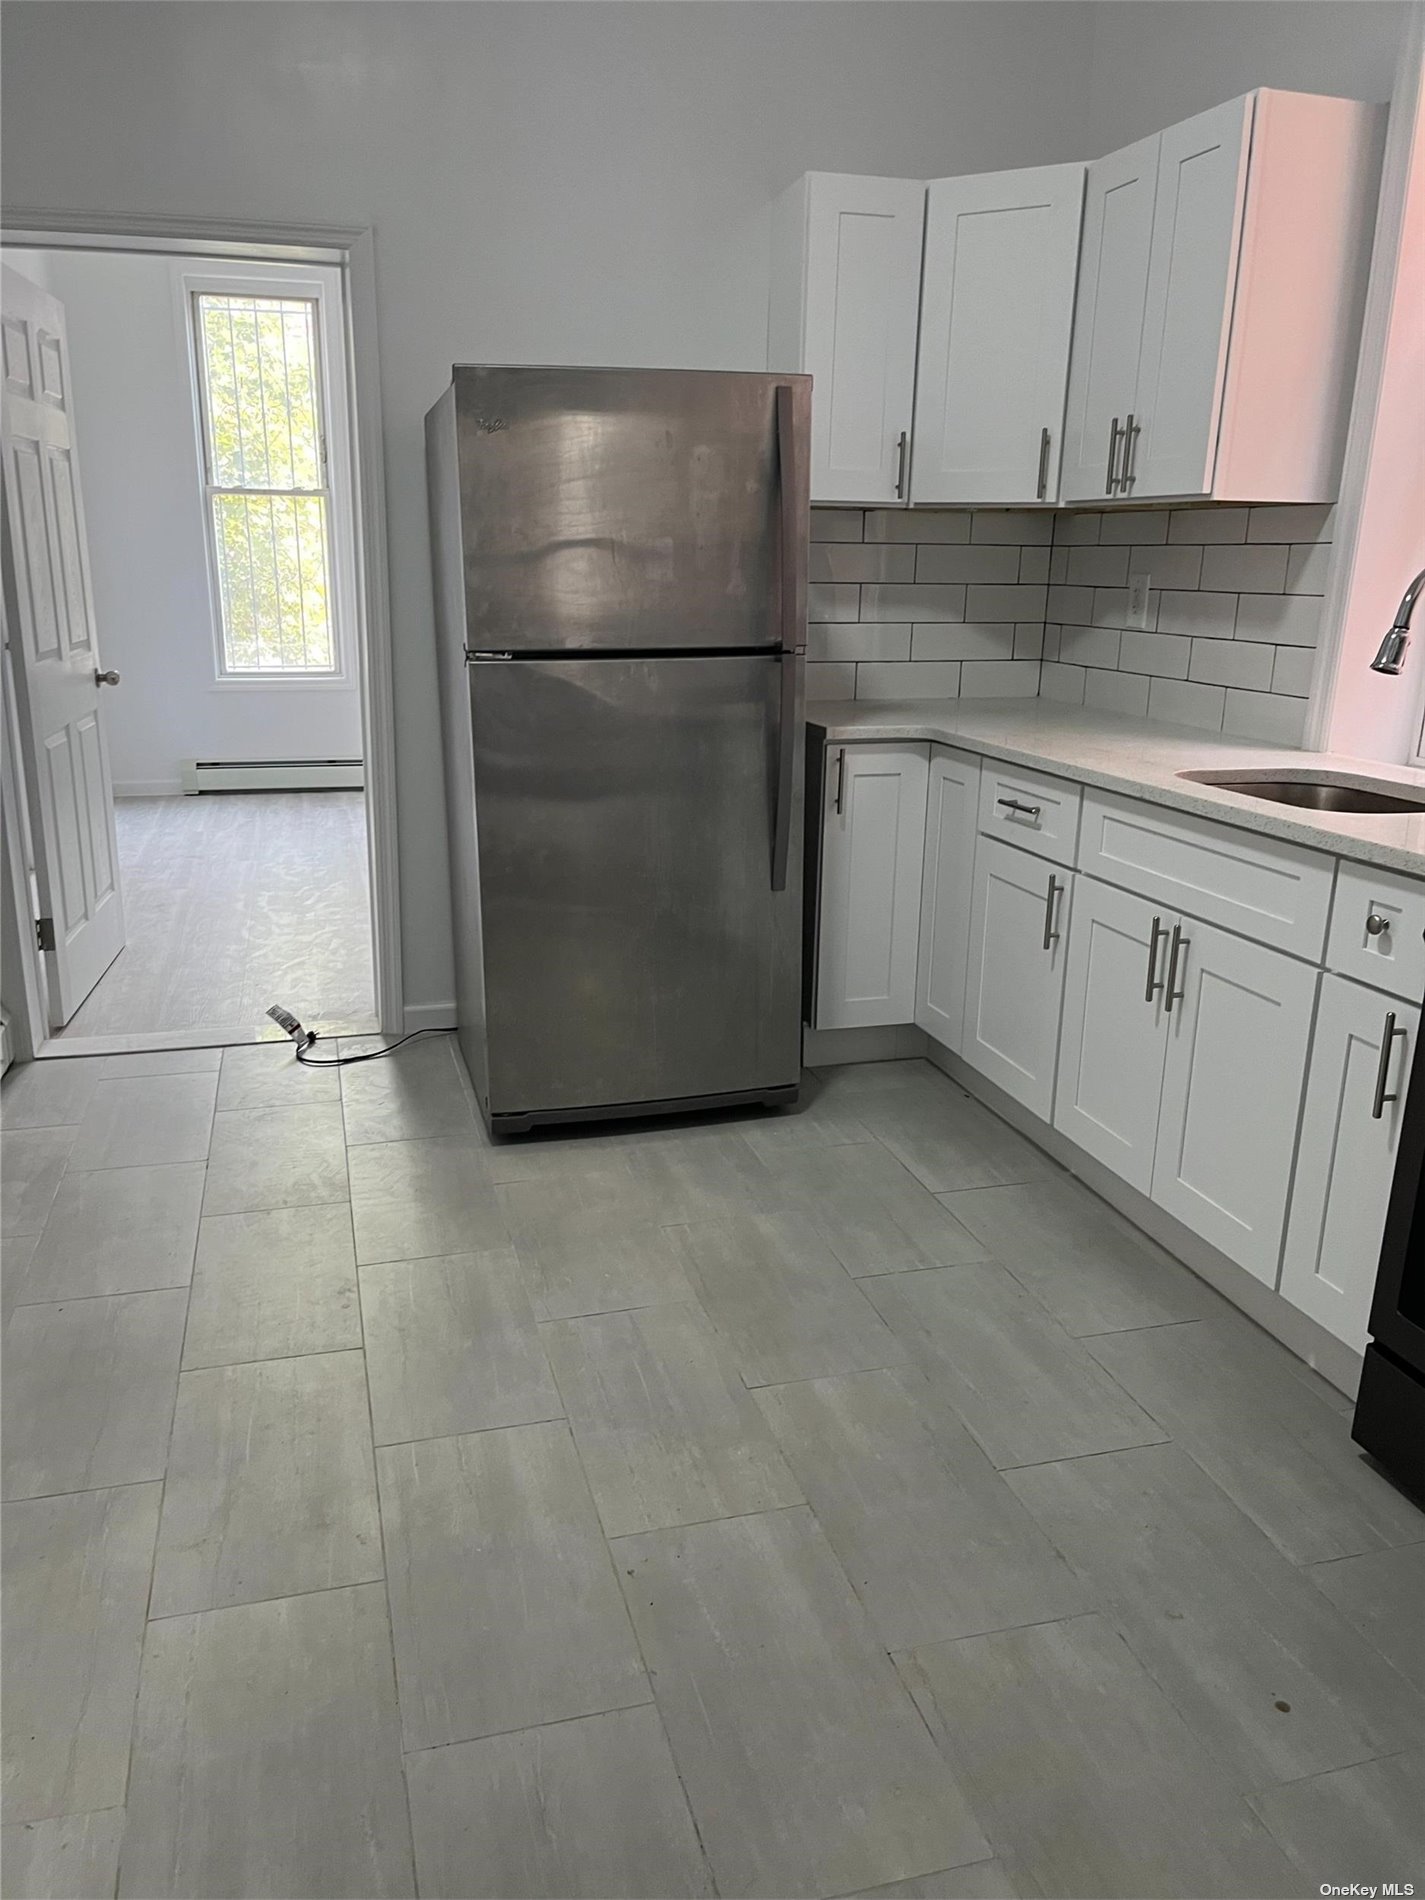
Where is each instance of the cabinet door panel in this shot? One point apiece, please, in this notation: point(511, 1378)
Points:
point(1347, 1156)
point(861, 302)
point(996, 311)
point(1237, 1040)
point(1113, 1046)
point(1197, 226)
point(872, 849)
point(1016, 985)
point(947, 889)
point(1108, 313)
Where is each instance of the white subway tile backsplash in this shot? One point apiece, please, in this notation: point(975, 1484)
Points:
point(830, 681)
point(1232, 663)
point(1089, 646)
point(833, 600)
point(969, 563)
point(1182, 703)
point(1052, 635)
point(1034, 565)
point(857, 561)
point(1116, 692)
point(1062, 683)
point(924, 679)
point(1020, 527)
point(1167, 567)
point(930, 601)
point(1070, 603)
point(837, 524)
point(1005, 603)
point(1297, 521)
point(1266, 716)
point(1244, 570)
point(999, 679)
point(1098, 567)
point(1290, 620)
point(1028, 640)
point(1110, 607)
point(963, 640)
point(1140, 526)
point(1163, 654)
point(918, 524)
point(1307, 568)
point(1206, 616)
point(857, 640)
point(1077, 530)
point(1206, 525)
point(1293, 670)
point(1058, 565)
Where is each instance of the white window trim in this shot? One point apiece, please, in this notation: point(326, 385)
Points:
point(323, 286)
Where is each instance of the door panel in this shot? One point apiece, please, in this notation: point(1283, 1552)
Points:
point(1108, 314)
point(1112, 1048)
point(873, 845)
point(996, 310)
point(1237, 1043)
point(1346, 1159)
point(633, 947)
point(627, 509)
point(1016, 983)
point(49, 604)
point(947, 891)
point(1197, 227)
point(861, 298)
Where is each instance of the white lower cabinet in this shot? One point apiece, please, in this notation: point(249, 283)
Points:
point(873, 842)
point(1238, 1032)
point(952, 807)
point(1019, 926)
point(1360, 1066)
point(1112, 1047)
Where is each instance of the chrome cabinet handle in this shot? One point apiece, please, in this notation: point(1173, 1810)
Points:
point(1376, 925)
point(1180, 944)
point(1387, 1042)
point(840, 778)
point(1041, 488)
point(1051, 935)
point(900, 465)
point(1013, 804)
point(110, 678)
point(1109, 483)
point(1154, 982)
point(1131, 433)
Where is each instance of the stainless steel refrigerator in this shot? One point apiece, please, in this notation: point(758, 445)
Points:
point(620, 583)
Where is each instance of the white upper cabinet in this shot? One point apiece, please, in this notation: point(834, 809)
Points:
point(1220, 292)
point(873, 842)
point(996, 309)
point(845, 295)
point(1108, 317)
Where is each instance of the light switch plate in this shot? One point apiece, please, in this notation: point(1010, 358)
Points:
point(1138, 589)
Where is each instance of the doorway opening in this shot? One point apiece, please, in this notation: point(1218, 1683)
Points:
point(199, 815)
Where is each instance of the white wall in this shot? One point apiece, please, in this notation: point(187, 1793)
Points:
point(551, 182)
point(138, 463)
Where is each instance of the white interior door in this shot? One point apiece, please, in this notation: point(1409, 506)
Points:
point(996, 310)
point(1015, 987)
point(1238, 1033)
point(1355, 1100)
point(50, 621)
point(1197, 229)
point(1108, 317)
point(1112, 1048)
point(862, 301)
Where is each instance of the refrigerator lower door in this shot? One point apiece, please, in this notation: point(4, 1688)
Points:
point(635, 952)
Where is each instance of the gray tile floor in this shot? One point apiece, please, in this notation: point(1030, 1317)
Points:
point(832, 1504)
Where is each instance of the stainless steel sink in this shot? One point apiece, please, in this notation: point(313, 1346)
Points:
point(1318, 793)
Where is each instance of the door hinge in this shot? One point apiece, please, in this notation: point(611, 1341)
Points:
point(44, 932)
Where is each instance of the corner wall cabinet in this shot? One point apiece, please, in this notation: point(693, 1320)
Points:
point(1145, 981)
point(1183, 325)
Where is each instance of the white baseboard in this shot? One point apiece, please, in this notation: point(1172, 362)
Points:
point(428, 1016)
point(892, 1043)
point(147, 787)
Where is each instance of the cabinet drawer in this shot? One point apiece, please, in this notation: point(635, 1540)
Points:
point(1030, 809)
point(1278, 893)
point(1390, 958)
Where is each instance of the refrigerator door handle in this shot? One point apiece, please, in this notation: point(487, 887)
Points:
point(790, 605)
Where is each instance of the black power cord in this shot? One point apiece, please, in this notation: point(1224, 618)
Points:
point(304, 1039)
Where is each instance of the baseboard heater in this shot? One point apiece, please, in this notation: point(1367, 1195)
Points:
point(272, 775)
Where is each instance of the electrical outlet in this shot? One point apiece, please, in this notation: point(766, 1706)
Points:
point(1138, 585)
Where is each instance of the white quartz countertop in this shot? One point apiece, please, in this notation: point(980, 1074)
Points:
point(1142, 759)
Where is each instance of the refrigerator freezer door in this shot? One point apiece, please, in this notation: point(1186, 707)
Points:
point(634, 948)
point(628, 510)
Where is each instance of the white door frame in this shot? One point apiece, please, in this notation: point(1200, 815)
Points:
point(353, 248)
